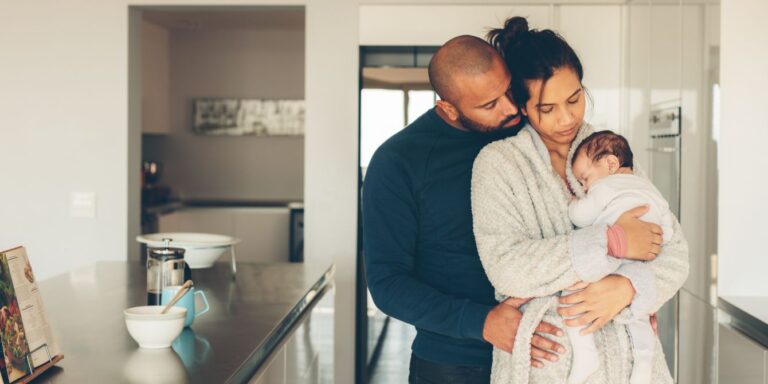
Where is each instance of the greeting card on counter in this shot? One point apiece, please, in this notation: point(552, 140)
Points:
point(24, 326)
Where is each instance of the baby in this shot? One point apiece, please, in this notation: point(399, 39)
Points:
point(602, 163)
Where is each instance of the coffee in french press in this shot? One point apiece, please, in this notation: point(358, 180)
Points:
point(165, 267)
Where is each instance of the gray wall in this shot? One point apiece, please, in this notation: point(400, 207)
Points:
point(238, 63)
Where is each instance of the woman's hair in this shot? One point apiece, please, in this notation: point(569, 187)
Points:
point(601, 144)
point(532, 54)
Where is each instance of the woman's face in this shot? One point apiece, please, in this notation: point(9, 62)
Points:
point(557, 111)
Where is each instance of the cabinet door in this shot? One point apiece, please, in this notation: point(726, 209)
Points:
point(696, 340)
point(638, 80)
point(668, 331)
point(601, 62)
point(666, 44)
point(742, 360)
point(276, 370)
point(264, 234)
point(199, 220)
point(306, 357)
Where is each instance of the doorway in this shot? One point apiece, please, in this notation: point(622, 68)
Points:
point(394, 91)
point(217, 134)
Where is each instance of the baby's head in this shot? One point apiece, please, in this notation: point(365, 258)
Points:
point(601, 154)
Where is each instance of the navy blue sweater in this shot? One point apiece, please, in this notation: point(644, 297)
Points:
point(420, 256)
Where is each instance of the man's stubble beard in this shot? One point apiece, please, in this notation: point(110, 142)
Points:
point(481, 128)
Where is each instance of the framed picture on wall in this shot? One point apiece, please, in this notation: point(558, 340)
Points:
point(241, 117)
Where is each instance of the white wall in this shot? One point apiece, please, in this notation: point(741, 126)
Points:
point(64, 97)
point(64, 101)
point(231, 63)
point(155, 70)
point(743, 137)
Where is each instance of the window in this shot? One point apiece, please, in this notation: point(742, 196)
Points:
point(384, 112)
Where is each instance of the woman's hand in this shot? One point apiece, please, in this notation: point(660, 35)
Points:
point(597, 304)
point(643, 239)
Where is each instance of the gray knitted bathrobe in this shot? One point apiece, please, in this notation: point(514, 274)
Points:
point(529, 248)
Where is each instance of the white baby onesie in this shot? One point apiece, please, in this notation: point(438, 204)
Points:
point(613, 195)
point(606, 200)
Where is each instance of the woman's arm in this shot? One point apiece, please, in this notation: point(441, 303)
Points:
point(654, 283)
point(517, 261)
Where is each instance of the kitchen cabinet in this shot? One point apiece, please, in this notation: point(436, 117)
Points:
point(305, 357)
point(742, 360)
point(697, 347)
point(601, 62)
point(264, 232)
point(666, 48)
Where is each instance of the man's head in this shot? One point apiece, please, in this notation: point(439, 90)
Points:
point(472, 81)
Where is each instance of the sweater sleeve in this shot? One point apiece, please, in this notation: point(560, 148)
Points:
point(518, 262)
point(390, 232)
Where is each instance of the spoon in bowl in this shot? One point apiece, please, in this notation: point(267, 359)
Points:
point(183, 290)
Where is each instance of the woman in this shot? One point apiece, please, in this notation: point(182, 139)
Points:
point(521, 188)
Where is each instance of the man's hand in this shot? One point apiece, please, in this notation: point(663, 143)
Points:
point(543, 348)
point(643, 239)
point(500, 328)
point(598, 303)
point(501, 325)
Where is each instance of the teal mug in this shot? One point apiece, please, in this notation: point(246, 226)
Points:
point(192, 349)
point(187, 301)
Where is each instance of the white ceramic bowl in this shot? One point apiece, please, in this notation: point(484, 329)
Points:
point(150, 366)
point(201, 250)
point(154, 330)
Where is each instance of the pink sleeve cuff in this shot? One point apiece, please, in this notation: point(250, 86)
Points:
point(617, 241)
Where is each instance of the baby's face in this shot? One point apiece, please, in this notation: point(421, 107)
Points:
point(587, 172)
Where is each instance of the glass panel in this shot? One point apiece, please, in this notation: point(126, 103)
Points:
point(388, 57)
point(418, 103)
point(424, 55)
point(382, 114)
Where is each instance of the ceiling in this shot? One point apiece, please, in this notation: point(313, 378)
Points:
point(396, 76)
point(286, 18)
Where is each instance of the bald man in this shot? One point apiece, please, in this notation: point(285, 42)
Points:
point(421, 261)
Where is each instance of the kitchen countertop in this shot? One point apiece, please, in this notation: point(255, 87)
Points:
point(749, 314)
point(248, 320)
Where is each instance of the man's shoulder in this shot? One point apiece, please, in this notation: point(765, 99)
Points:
point(411, 142)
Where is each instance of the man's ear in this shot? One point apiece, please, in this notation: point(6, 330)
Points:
point(448, 109)
point(613, 163)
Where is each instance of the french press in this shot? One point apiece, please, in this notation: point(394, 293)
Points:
point(165, 267)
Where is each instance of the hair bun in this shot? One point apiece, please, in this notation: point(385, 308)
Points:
point(515, 29)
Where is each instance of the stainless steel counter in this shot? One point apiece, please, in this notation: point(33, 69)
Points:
point(748, 314)
point(249, 318)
